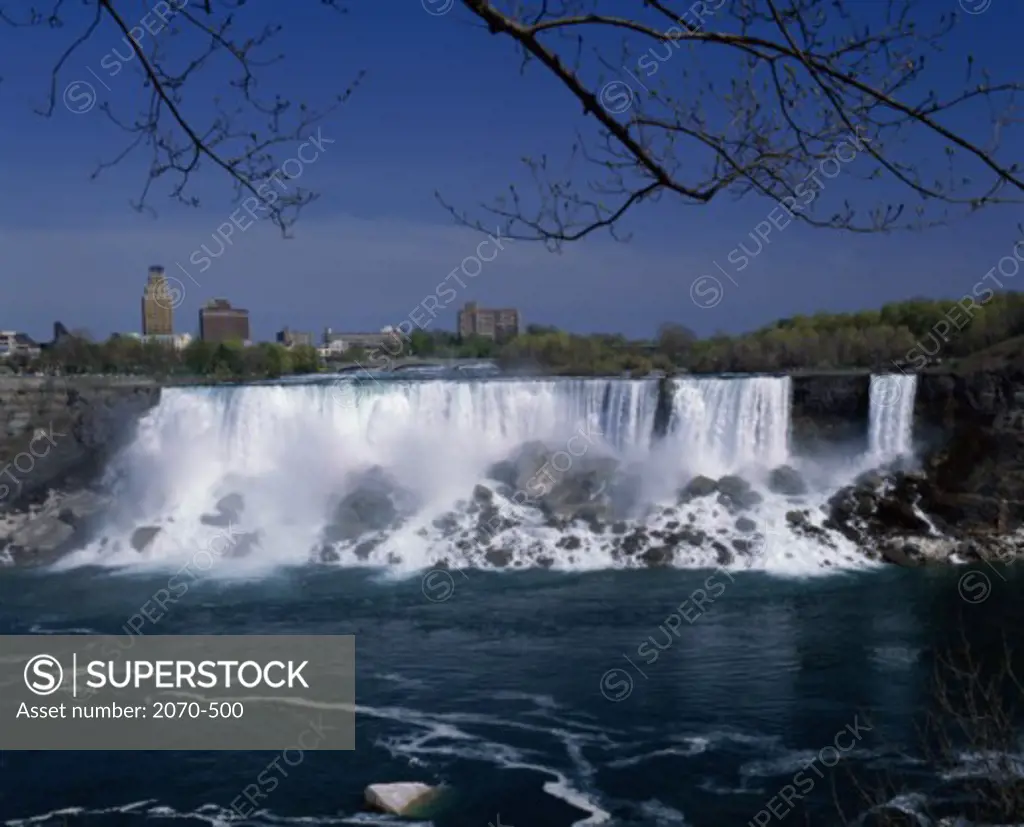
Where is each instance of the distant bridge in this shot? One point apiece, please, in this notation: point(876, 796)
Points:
point(407, 363)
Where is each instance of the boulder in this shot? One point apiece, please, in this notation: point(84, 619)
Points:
point(528, 460)
point(699, 486)
point(81, 507)
point(369, 508)
point(498, 558)
point(658, 556)
point(907, 556)
point(40, 540)
point(580, 496)
point(570, 542)
point(632, 543)
point(143, 536)
point(746, 525)
point(447, 524)
point(503, 472)
point(869, 481)
point(786, 480)
point(228, 509)
point(900, 516)
point(401, 799)
point(232, 504)
point(736, 494)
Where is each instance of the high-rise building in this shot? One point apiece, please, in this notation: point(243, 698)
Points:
point(157, 305)
point(220, 322)
point(490, 323)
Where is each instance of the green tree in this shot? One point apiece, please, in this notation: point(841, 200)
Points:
point(200, 357)
point(422, 343)
point(305, 359)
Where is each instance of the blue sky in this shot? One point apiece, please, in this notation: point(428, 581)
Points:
point(443, 106)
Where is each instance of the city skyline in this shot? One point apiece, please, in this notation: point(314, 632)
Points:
point(377, 241)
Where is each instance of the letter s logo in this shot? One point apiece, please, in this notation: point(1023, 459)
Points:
point(43, 675)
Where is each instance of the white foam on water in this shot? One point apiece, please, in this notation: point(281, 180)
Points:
point(293, 451)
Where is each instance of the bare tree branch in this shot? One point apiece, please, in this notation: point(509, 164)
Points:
point(755, 97)
point(190, 58)
point(697, 100)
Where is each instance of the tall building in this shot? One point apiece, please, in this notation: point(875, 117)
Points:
point(157, 305)
point(490, 323)
point(220, 322)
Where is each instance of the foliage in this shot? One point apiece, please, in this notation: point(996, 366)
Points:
point(128, 356)
point(912, 334)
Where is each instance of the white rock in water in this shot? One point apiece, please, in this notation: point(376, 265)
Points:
point(398, 799)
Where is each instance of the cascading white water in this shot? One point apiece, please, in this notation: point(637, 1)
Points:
point(891, 417)
point(290, 449)
point(726, 425)
point(293, 453)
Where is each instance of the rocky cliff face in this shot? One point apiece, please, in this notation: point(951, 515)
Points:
point(969, 434)
point(56, 436)
point(971, 431)
point(830, 412)
point(59, 431)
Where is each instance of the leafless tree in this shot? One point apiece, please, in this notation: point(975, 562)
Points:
point(698, 100)
point(203, 67)
point(739, 97)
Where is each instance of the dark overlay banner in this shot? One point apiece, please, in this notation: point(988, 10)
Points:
point(177, 692)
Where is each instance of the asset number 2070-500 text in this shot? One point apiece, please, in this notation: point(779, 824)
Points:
point(186, 709)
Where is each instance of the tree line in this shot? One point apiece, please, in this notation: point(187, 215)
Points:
point(910, 335)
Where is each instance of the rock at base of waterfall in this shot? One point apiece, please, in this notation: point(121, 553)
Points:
point(400, 799)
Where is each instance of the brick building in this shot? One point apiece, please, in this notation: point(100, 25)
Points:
point(220, 322)
point(490, 323)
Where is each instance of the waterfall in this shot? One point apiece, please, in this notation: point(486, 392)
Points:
point(725, 425)
point(891, 418)
point(431, 458)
